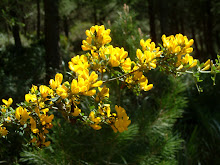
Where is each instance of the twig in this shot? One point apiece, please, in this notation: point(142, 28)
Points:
point(120, 76)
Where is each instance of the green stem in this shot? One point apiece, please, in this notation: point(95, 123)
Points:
point(124, 75)
point(199, 71)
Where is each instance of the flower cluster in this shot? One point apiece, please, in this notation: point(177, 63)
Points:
point(32, 115)
point(177, 44)
point(97, 37)
point(145, 61)
point(147, 58)
point(176, 51)
point(89, 79)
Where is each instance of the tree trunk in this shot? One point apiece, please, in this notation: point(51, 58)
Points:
point(182, 15)
point(151, 13)
point(182, 28)
point(164, 17)
point(175, 22)
point(15, 27)
point(16, 35)
point(38, 19)
point(202, 51)
point(217, 38)
point(66, 26)
point(209, 30)
point(195, 42)
point(51, 24)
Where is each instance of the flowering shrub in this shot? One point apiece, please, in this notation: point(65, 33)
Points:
point(90, 76)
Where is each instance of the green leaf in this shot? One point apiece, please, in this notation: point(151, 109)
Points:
point(54, 99)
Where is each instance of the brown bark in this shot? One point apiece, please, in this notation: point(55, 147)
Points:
point(164, 17)
point(151, 13)
point(209, 30)
point(38, 19)
point(16, 36)
point(53, 58)
point(195, 42)
point(15, 27)
point(66, 26)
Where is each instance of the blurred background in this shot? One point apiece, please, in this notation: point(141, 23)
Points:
point(172, 124)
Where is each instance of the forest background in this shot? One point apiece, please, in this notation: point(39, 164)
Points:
point(38, 38)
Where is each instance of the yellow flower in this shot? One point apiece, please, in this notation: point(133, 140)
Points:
point(140, 55)
point(4, 109)
point(7, 103)
point(3, 131)
point(104, 52)
point(45, 110)
point(78, 64)
point(90, 92)
point(74, 87)
point(147, 59)
point(122, 121)
point(97, 37)
point(76, 111)
point(144, 85)
point(177, 44)
point(87, 44)
point(207, 65)
point(57, 82)
point(43, 138)
point(114, 62)
point(21, 114)
point(105, 110)
point(84, 83)
point(153, 64)
point(49, 125)
point(148, 56)
point(192, 62)
point(126, 65)
point(33, 126)
point(33, 88)
point(95, 55)
point(104, 92)
point(96, 121)
point(117, 55)
point(46, 143)
point(150, 46)
point(186, 60)
point(30, 97)
point(42, 104)
point(93, 118)
point(95, 126)
point(180, 67)
point(44, 90)
point(36, 110)
point(63, 90)
point(45, 131)
point(93, 80)
point(33, 140)
point(145, 44)
point(8, 119)
point(139, 77)
point(46, 119)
